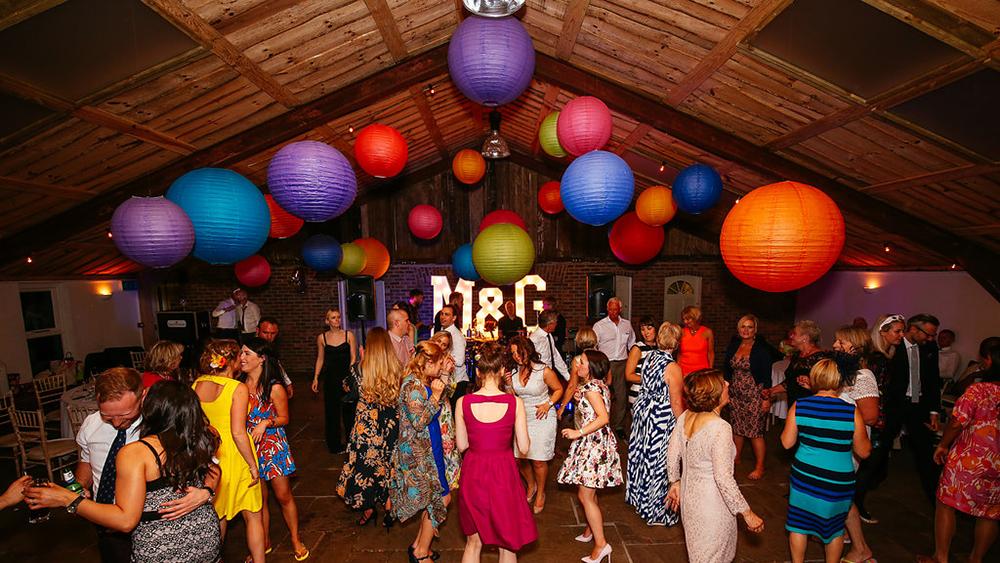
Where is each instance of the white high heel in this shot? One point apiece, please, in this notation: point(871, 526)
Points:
point(583, 538)
point(605, 552)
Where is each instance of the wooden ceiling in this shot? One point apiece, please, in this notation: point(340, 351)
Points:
point(687, 80)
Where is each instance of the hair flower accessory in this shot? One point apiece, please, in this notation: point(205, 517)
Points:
point(218, 361)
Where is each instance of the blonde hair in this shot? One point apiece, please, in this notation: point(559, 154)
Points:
point(878, 341)
point(859, 338)
point(748, 317)
point(668, 336)
point(228, 351)
point(443, 335)
point(703, 390)
point(691, 312)
point(162, 355)
point(381, 373)
point(427, 352)
point(811, 329)
point(586, 338)
point(824, 376)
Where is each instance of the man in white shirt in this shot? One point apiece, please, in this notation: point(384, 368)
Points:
point(448, 314)
point(545, 344)
point(614, 338)
point(949, 361)
point(237, 316)
point(399, 326)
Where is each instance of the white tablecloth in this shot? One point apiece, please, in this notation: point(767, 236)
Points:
point(82, 396)
point(779, 408)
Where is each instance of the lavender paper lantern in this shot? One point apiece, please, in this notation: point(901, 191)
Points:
point(491, 60)
point(152, 231)
point(312, 181)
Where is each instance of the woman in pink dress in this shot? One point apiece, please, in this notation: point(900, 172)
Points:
point(697, 350)
point(491, 508)
point(970, 481)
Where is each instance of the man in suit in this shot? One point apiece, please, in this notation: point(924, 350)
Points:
point(913, 396)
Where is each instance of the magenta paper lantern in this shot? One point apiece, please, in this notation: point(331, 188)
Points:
point(584, 125)
point(491, 60)
point(312, 181)
point(425, 221)
point(152, 231)
point(253, 271)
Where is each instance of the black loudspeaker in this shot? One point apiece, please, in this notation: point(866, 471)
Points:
point(184, 327)
point(600, 288)
point(361, 298)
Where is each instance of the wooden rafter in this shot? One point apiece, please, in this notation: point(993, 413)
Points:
point(573, 18)
point(39, 188)
point(634, 138)
point(420, 100)
point(726, 48)
point(387, 27)
point(13, 12)
point(186, 20)
point(948, 175)
point(982, 263)
point(938, 23)
point(548, 104)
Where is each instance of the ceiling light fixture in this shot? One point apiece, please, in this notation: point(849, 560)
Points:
point(493, 8)
point(495, 146)
point(350, 128)
point(887, 248)
point(430, 89)
point(663, 166)
point(29, 260)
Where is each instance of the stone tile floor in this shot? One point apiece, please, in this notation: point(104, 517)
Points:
point(329, 529)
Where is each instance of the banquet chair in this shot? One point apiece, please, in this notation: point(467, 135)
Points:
point(51, 454)
point(48, 392)
point(138, 360)
point(77, 415)
point(9, 449)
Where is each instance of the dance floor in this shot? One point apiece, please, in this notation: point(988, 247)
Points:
point(329, 529)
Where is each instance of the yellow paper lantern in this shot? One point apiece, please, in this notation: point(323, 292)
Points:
point(656, 206)
point(547, 137)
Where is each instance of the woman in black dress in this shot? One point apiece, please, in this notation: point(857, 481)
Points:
point(805, 339)
point(335, 355)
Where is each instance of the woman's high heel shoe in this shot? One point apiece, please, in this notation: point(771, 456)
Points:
point(584, 538)
point(387, 521)
point(366, 518)
point(605, 552)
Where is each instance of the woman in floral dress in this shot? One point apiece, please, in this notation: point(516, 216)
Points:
point(367, 472)
point(593, 461)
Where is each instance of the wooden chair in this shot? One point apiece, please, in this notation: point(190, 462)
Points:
point(51, 454)
point(138, 360)
point(48, 392)
point(9, 449)
point(77, 415)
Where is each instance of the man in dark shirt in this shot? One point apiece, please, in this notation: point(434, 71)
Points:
point(510, 325)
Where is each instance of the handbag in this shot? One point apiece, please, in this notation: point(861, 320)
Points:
point(352, 385)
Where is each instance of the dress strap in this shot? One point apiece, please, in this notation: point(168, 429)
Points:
point(159, 464)
point(325, 343)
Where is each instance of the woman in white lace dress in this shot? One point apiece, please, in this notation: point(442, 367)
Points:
point(700, 470)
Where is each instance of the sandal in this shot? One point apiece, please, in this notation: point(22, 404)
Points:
point(302, 555)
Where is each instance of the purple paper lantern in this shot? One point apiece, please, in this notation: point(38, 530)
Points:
point(312, 181)
point(491, 60)
point(152, 231)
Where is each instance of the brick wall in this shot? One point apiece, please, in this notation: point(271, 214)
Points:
point(724, 299)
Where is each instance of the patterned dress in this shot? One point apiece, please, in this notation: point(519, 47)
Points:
point(273, 454)
point(970, 481)
point(822, 480)
point(652, 424)
point(367, 473)
point(746, 400)
point(593, 459)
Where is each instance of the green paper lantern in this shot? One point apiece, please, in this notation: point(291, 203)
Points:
point(503, 253)
point(547, 136)
point(353, 261)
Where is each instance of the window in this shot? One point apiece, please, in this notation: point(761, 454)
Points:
point(679, 292)
point(41, 326)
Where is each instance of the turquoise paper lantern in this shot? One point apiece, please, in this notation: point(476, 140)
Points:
point(461, 263)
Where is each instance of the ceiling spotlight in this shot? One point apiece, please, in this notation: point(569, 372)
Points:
point(110, 235)
point(887, 248)
point(954, 266)
point(29, 260)
point(737, 200)
point(663, 166)
point(495, 146)
point(350, 129)
point(493, 8)
point(430, 89)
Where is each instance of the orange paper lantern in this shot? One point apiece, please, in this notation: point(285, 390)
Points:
point(468, 166)
point(283, 223)
point(656, 206)
point(782, 236)
point(549, 199)
point(380, 151)
point(377, 255)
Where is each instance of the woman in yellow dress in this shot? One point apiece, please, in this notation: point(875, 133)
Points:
point(226, 403)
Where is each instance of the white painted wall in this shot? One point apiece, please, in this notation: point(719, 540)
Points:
point(955, 298)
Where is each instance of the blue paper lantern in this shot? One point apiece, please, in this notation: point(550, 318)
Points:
point(461, 262)
point(230, 216)
point(491, 60)
point(152, 231)
point(312, 181)
point(322, 253)
point(697, 188)
point(597, 187)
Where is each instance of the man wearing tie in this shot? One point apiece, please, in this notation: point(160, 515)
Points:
point(913, 396)
point(545, 343)
point(238, 316)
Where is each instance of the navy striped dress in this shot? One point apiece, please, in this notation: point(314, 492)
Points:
point(822, 479)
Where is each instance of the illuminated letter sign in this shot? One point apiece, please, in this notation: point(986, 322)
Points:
point(536, 305)
point(490, 300)
point(442, 290)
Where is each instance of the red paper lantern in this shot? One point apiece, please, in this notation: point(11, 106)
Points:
point(502, 216)
point(424, 221)
point(377, 257)
point(656, 206)
point(380, 151)
point(584, 125)
point(633, 241)
point(468, 166)
point(283, 223)
point(253, 271)
point(782, 236)
point(549, 199)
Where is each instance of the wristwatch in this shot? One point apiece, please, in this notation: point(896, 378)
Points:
point(71, 508)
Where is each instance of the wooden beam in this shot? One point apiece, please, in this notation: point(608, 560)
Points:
point(13, 12)
point(948, 175)
point(573, 18)
point(938, 23)
point(982, 263)
point(548, 104)
point(38, 188)
point(818, 127)
point(186, 20)
point(386, 24)
point(633, 139)
point(726, 48)
point(420, 100)
point(418, 69)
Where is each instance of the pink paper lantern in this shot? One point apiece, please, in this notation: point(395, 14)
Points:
point(253, 271)
point(584, 125)
point(424, 221)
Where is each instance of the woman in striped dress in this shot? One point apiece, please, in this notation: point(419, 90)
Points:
point(827, 429)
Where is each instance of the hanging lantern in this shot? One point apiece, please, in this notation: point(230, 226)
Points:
point(503, 253)
point(283, 223)
point(461, 263)
point(655, 206)
point(502, 216)
point(353, 260)
point(597, 188)
point(321, 252)
point(424, 221)
point(312, 181)
point(230, 215)
point(376, 257)
point(549, 199)
point(633, 241)
point(468, 166)
point(491, 60)
point(584, 125)
point(253, 271)
point(380, 151)
point(782, 236)
point(152, 231)
point(548, 138)
point(697, 188)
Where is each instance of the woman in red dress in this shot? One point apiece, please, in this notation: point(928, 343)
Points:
point(697, 350)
